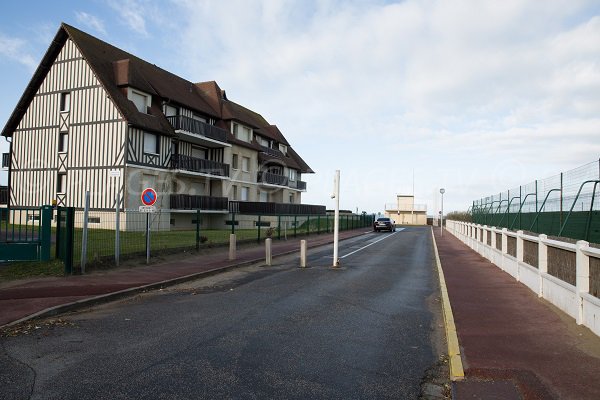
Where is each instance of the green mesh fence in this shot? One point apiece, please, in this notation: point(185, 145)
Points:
point(567, 205)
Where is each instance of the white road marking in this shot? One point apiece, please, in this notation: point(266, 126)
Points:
point(371, 244)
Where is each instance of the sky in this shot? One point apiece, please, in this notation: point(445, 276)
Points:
point(475, 96)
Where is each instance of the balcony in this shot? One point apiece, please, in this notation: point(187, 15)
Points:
point(260, 208)
point(271, 152)
point(272, 179)
point(300, 185)
point(199, 165)
point(199, 132)
point(189, 202)
point(5, 160)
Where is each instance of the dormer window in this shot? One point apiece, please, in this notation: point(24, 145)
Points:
point(241, 132)
point(262, 141)
point(283, 148)
point(170, 111)
point(140, 99)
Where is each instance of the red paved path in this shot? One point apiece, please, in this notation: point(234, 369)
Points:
point(513, 343)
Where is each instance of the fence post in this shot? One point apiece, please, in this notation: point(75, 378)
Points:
point(118, 228)
point(295, 225)
point(258, 228)
point(307, 225)
point(520, 253)
point(583, 277)
point(318, 224)
point(233, 223)
point(198, 229)
point(542, 262)
point(85, 231)
point(504, 246)
point(326, 223)
point(279, 227)
point(46, 232)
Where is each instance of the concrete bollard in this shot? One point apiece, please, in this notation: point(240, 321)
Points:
point(268, 252)
point(232, 247)
point(303, 254)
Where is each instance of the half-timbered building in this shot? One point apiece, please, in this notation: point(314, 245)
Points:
point(96, 118)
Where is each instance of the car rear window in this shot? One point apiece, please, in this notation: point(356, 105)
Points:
point(383, 219)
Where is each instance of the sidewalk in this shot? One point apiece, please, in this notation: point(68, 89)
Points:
point(513, 344)
point(22, 300)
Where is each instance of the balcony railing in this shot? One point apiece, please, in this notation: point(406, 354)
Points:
point(5, 160)
point(300, 185)
point(270, 151)
point(180, 122)
point(200, 165)
point(189, 202)
point(261, 208)
point(272, 179)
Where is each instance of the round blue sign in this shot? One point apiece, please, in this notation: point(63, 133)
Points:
point(149, 197)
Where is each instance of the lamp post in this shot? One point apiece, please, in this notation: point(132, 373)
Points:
point(442, 191)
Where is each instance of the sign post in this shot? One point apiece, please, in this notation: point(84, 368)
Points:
point(148, 199)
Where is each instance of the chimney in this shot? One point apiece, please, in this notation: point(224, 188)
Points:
point(121, 70)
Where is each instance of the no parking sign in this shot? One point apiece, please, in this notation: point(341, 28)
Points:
point(148, 199)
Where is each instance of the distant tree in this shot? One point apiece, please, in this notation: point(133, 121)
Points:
point(459, 216)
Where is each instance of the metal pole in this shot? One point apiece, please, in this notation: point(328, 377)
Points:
point(84, 238)
point(442, 191)
point(118, 226)
point(147, 238)
point(336, 222)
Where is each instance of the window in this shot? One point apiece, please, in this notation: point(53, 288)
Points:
point(198, 117)
point(140, 100)
point(65, 102)
point(245, 193)
point(170, 111)
point(234, 192)
point(199, 152)
point(63, 142)
point(262, 141)
point(241, 132)
point(150, 143)
point(246, 134)
point(245, 164)
point(263, 197)
point(291, 198)
point(283, 148)
point(61, 183)
point(292, 174)
point(94, 220)
point(234, 161)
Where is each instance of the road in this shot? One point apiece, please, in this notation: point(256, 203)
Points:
point(370, 329)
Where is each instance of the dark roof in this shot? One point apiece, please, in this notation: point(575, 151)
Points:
point(117, 69)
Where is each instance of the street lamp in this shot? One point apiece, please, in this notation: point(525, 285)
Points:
point(442, 191)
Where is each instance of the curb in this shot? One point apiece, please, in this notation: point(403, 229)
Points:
point(109, 297)
point(457, 372)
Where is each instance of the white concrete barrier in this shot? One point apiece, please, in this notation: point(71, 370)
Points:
point(575, 300)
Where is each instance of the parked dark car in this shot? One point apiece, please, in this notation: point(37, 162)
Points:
point(384, 224)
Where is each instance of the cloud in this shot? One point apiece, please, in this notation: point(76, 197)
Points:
point(17, 50)
point(452, 88)
point(131, 13)
point(90, 21)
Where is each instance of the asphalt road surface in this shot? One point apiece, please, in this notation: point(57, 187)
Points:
point(369, 330)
